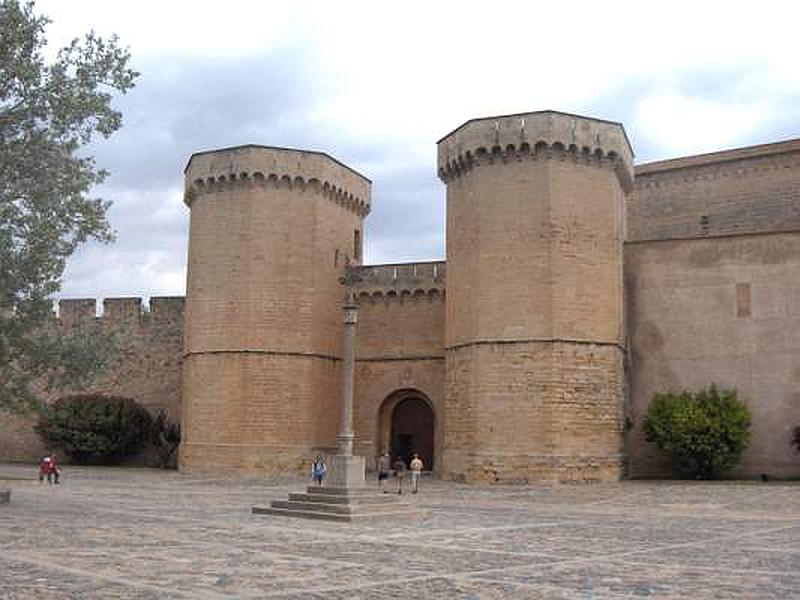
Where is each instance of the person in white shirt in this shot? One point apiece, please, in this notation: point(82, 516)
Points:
point(416, 471)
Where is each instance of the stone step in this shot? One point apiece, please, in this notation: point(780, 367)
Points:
point(340, 508)
point(340, 491)
point(350, 499)
point(402, 515)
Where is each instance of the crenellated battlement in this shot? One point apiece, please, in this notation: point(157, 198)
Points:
point(533, 136)
point(401, 281)
point(128, 311)
point(265, 166)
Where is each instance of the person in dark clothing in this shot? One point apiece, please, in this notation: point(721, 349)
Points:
point(384, 468)
point(399, 473)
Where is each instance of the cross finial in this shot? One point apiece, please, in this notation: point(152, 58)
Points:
point(349, 280)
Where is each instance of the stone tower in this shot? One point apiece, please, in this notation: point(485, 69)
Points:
point(534, 335)
point(271, 231)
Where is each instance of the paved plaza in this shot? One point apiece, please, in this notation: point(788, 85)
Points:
point(136, 533)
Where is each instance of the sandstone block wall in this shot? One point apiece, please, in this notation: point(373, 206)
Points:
point(711, 281)
point(721, 310)
point(748, 190)
point(147, 367)
point(399, 349)
point(538, 411)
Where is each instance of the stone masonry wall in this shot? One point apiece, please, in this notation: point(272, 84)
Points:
point(749, 190)
point(724, 311)
point(711, 269)
point(526, 412)
point(399, 348)
point(147, 368)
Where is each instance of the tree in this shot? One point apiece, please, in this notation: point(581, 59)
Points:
point(49, 112)
point(704, 432)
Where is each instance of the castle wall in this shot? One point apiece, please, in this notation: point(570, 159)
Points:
point(399, 348)
point(721, 310)
point(749, 190)
point(712, 277)
point(147, 367)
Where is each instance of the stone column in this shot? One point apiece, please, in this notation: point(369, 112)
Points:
point(347, 471)
point(350, 317)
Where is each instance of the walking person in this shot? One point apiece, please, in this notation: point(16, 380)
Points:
point(318, 470)
point(384, 468)
point(399, 473)
point(416, 472)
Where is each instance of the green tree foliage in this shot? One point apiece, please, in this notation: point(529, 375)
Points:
point(49, 112)
point(704, 432)
point(94, 428)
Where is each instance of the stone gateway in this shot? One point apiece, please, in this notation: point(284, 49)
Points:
point(576, 285)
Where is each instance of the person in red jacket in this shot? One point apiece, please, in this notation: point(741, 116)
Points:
point(44, 468)
point(48, 467)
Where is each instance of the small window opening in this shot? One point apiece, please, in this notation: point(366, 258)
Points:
point(357, 245)
point(744, 301)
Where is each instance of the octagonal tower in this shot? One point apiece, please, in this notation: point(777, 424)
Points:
point(534, 310)
point(271, 231)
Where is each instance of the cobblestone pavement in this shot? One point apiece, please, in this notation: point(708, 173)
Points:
point(136, 533)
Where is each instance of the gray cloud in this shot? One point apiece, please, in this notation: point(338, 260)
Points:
point(726, 84)
point(181, 106)
point(407, 222)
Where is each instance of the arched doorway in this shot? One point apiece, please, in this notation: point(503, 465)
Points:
point(408, 426)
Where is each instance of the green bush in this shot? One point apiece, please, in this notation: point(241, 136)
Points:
point(704, 432)
point(95, 428)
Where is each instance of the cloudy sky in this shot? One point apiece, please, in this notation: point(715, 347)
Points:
point(375, 84)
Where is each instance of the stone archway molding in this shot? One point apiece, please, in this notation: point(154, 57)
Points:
point(386, 413)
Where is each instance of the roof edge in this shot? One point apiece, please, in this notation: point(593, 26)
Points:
point(541, 112)
point(266, 147)
point(718, 156)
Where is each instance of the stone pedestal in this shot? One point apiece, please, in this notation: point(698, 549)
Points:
point(345, 505)
point(346, 472)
